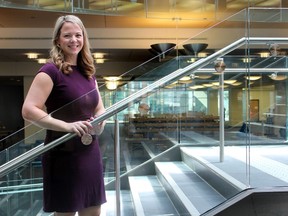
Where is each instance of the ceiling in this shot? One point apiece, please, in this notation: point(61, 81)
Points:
point(123, 30)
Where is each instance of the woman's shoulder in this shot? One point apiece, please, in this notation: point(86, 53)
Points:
point(50, 66)
point(51, 69)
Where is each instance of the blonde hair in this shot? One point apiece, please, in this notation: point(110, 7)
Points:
point(84, 60)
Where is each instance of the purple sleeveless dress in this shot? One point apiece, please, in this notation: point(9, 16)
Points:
point(72, 172)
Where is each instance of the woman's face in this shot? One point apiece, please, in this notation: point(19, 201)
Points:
point(71, 41)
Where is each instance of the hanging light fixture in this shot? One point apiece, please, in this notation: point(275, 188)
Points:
point(207, 84)
point(111, 85)
point(162, 49)
point(111, 82)
point(185, 79)
point(275, 76)
point(253, 77)
point(195, 48)
point(230, 81)
point(204, 76)
point(236, 83)
point(196, 87)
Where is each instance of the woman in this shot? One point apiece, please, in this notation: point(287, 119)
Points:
point(72, 172)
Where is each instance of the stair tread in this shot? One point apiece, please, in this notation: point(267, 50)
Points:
point(186, 182)
point(263, 176)
point(42, 213)
point(20, 213)
point(150, 197)
point(126, 207)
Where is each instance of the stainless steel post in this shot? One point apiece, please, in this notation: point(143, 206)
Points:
point(221, 117)
point(117, 165)
point(220, 68)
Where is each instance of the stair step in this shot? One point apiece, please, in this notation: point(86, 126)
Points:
point(126, 207)
point(35, 208)
point(42, 213)
point(219, 179)
point(149, 197)
point(265, 171)
point(186, 188)
point(20, 213)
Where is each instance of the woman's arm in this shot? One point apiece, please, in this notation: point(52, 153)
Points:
point(32, 109)
point(100, 109)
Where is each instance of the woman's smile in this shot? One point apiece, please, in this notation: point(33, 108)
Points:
point(71, 41)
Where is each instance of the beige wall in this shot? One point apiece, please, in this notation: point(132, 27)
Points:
point(236, 107)
point(265, 95)
point(213, 102)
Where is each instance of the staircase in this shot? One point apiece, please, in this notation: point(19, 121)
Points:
point(183, 186)
point(195, 186)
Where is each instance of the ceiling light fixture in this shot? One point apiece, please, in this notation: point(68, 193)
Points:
point(253, 78)
point(264, 54)
point(192, 60)
point(99, 61)
point(236, 83)
point(276, 77)
point(98, 55)
point(229, 81)
point(215, 83)
point(32, 55)
point(99, 58)
point(195, 48)
point(246, 60)
point(202, 55)
point(203, 76)
point(112, 82)
point(185, 78)
point(42, 61)
point(112, 78)
point(196, 87)
point(207, 84)
point(163, 49)
point(111, 85)
point(218, 87)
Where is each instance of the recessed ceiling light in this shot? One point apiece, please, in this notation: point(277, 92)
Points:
point(32, 55)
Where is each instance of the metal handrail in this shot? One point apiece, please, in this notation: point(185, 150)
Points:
point(121, 105)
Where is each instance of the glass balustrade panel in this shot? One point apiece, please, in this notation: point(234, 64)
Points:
point(200, 11)
point(268, 101)
point(21, 190)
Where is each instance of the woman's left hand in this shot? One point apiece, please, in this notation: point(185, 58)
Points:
point(97, 129)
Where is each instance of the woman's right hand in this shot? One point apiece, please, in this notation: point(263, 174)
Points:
point(79, 127)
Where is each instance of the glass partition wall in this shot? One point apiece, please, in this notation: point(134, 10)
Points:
point(210, 10)
point(208, 134)
point(268, 102)
point(246, 97)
